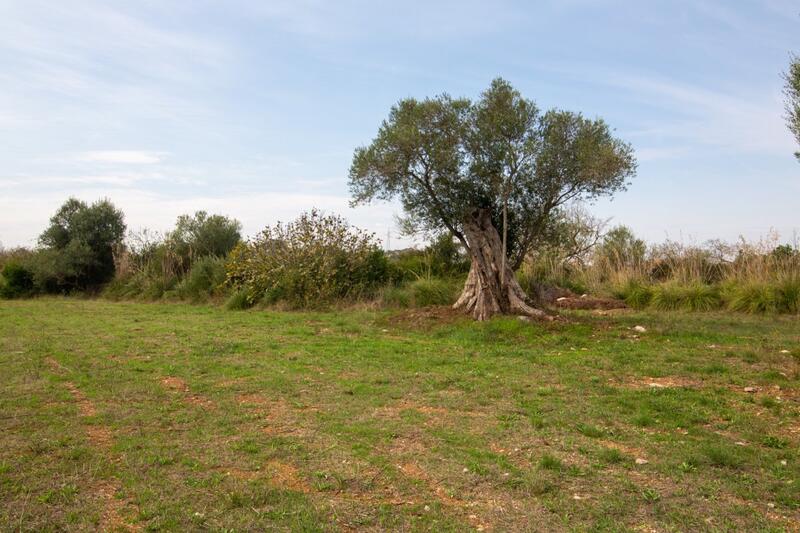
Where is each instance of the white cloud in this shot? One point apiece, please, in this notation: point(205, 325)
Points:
point(134, 157)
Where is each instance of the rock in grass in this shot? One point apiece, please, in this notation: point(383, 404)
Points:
point(639, 329)
point(751, 389)
point(640, 461)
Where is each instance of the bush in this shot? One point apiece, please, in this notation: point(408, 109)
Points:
point(634, 293)
point(753, 297)
point(310, 262)
point(788, 295)
point(205, 278)
point(239, 300)
point(701, 297)
point(17, 281)
point(672, 296)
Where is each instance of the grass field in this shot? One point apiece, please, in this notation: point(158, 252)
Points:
point(137, 416)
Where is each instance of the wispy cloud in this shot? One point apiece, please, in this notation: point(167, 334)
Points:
point(134, 157)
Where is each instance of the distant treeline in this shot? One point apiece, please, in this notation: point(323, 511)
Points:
point(320, 260)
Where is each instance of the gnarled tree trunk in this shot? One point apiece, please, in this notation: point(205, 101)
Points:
point(488, 291)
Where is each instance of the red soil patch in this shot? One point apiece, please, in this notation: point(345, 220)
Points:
point(426, 316)
point(174, 383)
point(286, 476)
point(85, 406)
point(628, 450)
point(394, 410)
point(55, 365)
point(278, 414)
point(178, 385)
point(99, 436)
point(111, 519)
point(413, 471)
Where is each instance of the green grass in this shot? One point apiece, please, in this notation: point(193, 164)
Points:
point(174, 417)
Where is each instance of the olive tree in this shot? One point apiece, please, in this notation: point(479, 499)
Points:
point(470, 168)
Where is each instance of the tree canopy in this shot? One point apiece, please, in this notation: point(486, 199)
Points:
point(202, 235)
point(81, 239)
point(444, 156)
point(792, 92)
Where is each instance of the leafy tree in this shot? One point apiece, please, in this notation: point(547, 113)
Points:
point(79, 243)
point(468, 167)
point(792, 92)
point(15, 281)
point(202, 235)
point(621, 248)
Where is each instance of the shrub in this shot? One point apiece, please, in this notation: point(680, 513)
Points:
point(17, 281)
point(701, 297)
point(635, 293)
point(238, 300)
point(671, 296)
point(205, 278)
point(753, 297)
point(309, 262)
point(667, 297)
point(397, 296)
point(788, 295)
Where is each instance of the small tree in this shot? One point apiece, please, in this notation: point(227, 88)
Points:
point(79, 243)
point(622, 249)
point(201, 235)
point(792, 92)
point(470, 168)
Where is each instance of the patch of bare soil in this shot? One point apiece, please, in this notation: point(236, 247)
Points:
point(414, 471)
point(627, 450)
point(394, 410)
point(111, 519)
point(99, 436)
point(434, 415)
point(664, 382)
point(55, 365)
point(85, 406)
point(426, 317)
point(176, 384)
point(588, 302)
point(279, 416)
point(286, 476)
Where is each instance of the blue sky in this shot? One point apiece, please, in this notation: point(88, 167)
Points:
point(253, 109)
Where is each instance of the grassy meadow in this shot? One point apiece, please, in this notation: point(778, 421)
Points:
point(170, 417)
